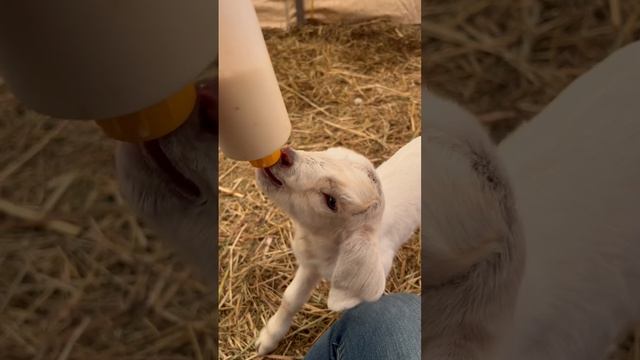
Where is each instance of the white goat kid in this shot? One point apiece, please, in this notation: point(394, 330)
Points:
point(349, 220)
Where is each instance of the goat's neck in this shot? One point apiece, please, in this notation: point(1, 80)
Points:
point(318, 249)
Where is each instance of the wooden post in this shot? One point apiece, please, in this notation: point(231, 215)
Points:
point(300, 12)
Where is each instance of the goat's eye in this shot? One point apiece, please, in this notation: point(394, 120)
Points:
point(331, 202)
point(372, 176)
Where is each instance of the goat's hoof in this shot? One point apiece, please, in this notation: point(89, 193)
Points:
point(265, 343)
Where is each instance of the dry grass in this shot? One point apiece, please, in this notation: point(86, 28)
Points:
point(505, 60)
point(355, 86)
point(81, 277)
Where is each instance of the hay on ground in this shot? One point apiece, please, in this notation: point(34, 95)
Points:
point(356, 86)
point(81, 277)
point(506, 60)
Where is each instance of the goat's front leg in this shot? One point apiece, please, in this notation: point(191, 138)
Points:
point(295, 296)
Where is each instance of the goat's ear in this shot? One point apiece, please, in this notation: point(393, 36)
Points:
point(358, 275)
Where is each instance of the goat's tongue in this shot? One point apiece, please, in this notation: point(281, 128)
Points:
point(272, 177)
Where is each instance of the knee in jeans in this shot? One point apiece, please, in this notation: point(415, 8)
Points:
point(389, 309)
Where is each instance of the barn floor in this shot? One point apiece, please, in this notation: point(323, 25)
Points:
point(356, 86)
point(83, 278)
point(506, 60)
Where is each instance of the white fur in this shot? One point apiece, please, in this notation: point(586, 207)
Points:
point(472, 243)
point(400, 178)
point(576, 170)
point(575, 175)
point(354, 247)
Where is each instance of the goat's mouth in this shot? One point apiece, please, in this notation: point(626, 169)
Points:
point(272, 178)
point(180, 182)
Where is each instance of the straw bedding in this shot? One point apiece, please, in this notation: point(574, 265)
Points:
point(82, 278)
point(505, 60)
point(356, 86)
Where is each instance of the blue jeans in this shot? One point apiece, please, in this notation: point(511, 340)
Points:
point(383, 330)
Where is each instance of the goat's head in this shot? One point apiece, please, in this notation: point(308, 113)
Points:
point(331, 191)
point(171, 183)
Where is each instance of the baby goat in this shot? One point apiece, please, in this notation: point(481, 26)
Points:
point(349, 220)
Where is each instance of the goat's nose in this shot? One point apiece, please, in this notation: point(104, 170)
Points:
point(286, 159)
